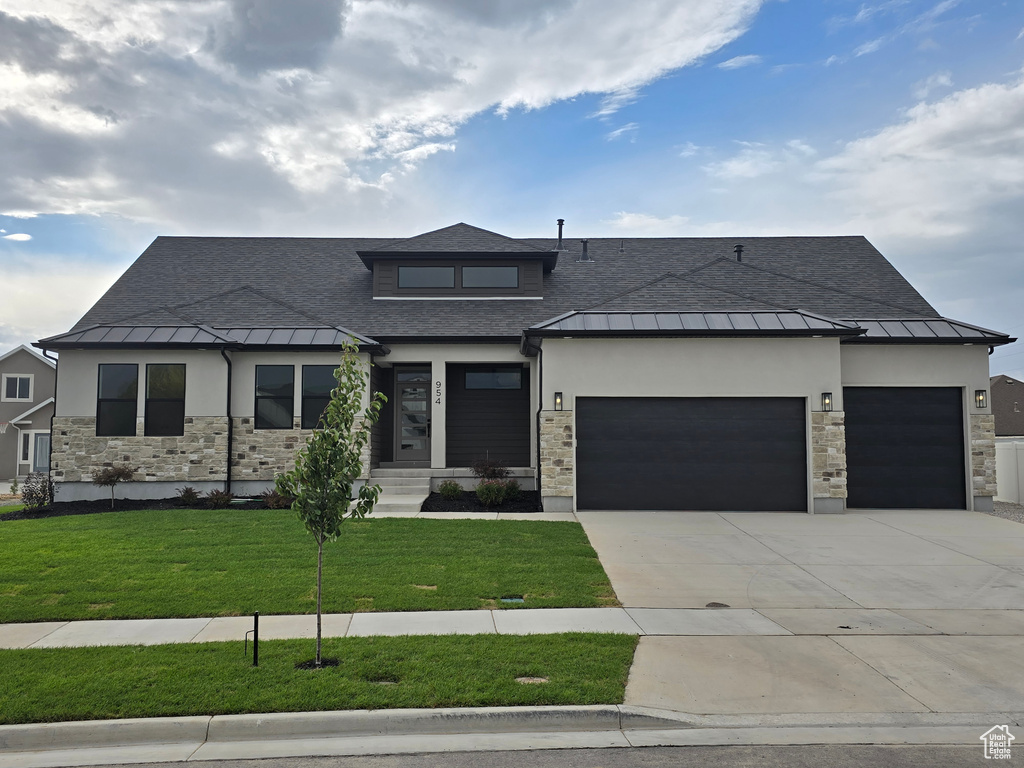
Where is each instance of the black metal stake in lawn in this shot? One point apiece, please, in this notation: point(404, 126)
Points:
point(256, 639)
point(330, 463)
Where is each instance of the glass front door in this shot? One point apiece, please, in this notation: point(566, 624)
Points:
point(41, 454)
point(412, 413)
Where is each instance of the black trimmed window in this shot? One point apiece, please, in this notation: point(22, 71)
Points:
point(499, 377)
point(317, 383)
point(165, 399)
point(275, 396)
point(426, 277)
point(490, 277)
point(117, 402)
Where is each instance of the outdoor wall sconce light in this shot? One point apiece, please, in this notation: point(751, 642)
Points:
point(558, 401)
point(826, 401)
point(980, 398)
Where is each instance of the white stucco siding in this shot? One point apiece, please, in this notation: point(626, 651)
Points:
point(906, 365)
point(205, 379)
point(690, 368)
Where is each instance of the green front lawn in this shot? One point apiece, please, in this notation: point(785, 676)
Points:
point(182, 563)
point(49, 685)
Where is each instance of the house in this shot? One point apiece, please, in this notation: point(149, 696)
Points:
point(767, 373)
point(27, 388)
point(1008, 412)
point(1007, 406)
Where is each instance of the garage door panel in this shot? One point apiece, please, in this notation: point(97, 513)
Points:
point(691, 453)
point(905, 447)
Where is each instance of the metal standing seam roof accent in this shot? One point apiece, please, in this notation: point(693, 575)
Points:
point(194, 335)
point(758, 323)
point(927, 330)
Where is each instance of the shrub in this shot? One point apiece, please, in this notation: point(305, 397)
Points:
point(276, 500)
point(486, 469)
point(219, 499)
point(450, 490)
point(188, 496)
point(512, 489)
point(15, 490)
point(491, 492)
point(109, 477)
point(38, 490)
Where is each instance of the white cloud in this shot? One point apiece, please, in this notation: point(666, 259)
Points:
point(629, 129)
point(218, 116)
point(689, 149)
point(939, 172)
point(18, 237)
point(923, 89)
point(756, 159)
point(740, 61)
point(647, 225)
point(869, 47)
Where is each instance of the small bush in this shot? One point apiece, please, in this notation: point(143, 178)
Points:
point(276, 500)
point(187, 496)
point(218, 499)
point(486, 469)
point(38, 490)
point(109, 477)
point(491, 492)
point(15, 489)
point(512, 489)
point(450, 490)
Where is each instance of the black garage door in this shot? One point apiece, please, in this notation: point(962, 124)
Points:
point(714, 453)
point(905, 448)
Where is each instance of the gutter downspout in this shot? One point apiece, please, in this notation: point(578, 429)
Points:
point(227, 477)
point(540, 407)
point(49, 461)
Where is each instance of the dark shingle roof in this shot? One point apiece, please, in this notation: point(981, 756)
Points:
point(459, 238)
point(296, 282)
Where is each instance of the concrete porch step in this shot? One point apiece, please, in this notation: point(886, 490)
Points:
point(399, 482)
point(399, 503)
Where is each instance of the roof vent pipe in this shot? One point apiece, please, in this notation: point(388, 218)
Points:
point(739, 252)
point(622, 246)
point(559, 247)
point(585, 256)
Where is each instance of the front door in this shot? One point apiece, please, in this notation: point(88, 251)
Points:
point(41, 454)
point(412, 411)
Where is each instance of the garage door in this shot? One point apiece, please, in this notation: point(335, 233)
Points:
point(710, 453)
point(905, 448)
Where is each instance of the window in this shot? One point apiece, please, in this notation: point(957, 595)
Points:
point(494, 378)
point(117, 401)
point(275, 396)
point(17, 386)
point(317, 383)
point(490, 277)
point(26, 439)
point(426, 277)
point(165, 399)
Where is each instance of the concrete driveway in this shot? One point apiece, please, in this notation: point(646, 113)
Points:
point(873, 612)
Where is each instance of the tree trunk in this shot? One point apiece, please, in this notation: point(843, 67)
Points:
point(319, 591)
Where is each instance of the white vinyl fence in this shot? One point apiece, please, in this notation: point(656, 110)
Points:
point(1010, 469)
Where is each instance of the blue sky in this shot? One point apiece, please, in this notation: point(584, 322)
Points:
point(902, 120)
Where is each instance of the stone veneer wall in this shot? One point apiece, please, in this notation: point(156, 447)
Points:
point(828, 455)
point(983, 454)
point(199, 454)
point(556, 453)
point(265, 453)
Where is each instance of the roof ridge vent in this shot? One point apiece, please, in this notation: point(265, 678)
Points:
point(585, 255)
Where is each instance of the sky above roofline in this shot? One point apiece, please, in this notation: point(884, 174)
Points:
point(901, 120)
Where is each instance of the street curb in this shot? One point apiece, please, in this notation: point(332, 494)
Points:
point(438, 722)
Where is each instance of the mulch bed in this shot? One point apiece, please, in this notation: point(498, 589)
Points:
point(62, 508)
point(528, 501)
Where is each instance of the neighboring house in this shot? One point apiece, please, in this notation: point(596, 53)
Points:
point(1007, 405)
point(27, 388)
point(783, 373)
point(1008, 411)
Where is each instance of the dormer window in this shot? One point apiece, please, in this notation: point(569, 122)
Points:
point(426, 277)
point(490, 277)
